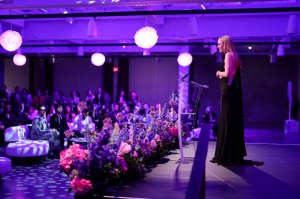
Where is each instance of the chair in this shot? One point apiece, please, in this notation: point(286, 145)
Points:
point(5, 166)
point(20, 144)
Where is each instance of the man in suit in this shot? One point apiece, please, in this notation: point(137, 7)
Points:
point(58, 121)
point(40, 131)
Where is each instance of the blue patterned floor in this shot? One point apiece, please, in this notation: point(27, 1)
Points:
point(43, 180)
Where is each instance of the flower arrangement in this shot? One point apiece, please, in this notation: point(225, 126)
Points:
point(119, 151)
point(73, 161)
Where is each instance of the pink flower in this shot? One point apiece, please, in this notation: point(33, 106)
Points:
point(157, 137)
point(135, 154)
point(68, 156)
point(124, 149)
point(81, 186)
point(153, 144)
point(174, 131)
point(122, 162)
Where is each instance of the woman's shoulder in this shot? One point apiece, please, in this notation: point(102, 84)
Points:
point(229, 54)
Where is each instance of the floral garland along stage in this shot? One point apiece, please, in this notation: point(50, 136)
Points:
point(119, 151)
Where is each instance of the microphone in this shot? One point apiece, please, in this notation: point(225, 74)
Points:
point(184, 76)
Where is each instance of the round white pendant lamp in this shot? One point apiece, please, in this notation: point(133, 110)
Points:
point(98, 59)
point(10, 40)
point(146, 37)
point(184, 59)
point(19, 59)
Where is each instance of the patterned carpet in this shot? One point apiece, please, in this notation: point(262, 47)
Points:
point(42, 180)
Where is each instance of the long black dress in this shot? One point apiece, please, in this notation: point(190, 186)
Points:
point(230, 147)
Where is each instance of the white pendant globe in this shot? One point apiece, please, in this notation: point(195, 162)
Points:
point(146, 37)
point(19, 59)
point(10, 40)
point(98, 59)
point(184, 59)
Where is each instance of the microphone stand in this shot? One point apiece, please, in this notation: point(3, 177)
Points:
point(191, 83)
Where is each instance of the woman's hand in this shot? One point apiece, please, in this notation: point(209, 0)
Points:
point(218, 74)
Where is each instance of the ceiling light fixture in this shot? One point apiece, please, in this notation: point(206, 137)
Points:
point(92, 28)
point(146, 37)
point(184, 59)
point(19, 59)
point(10, 40)
point(80, 51)
point(203, 7)
point(280, 50)
point(193, 26)
point(272, 58)
point(70, 20)
point(98, 59)
point(146, 52)
point(292, 27)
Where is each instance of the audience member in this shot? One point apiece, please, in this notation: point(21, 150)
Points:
point(7, 117)
point(95, 114)
point(50, 112)
point(38, 100)
point(15, 99)
point(32, 113)
point(26, 97)
point(209, 116)
point(22, 115)
point(99, 97)
point(48, 98)
point(83, 124)
point(132, 101)
point(58, 121)
point(4, 94)
point(40, 131)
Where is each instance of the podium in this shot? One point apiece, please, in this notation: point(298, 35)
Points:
point(200, 87)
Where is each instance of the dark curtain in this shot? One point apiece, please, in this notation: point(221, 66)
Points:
point(32, 87)
point(40, 74)
point(48, 74)
point(108, 78)
point(123, 75)
point(1, 70)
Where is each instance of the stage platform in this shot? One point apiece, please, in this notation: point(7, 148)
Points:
point(278, 178)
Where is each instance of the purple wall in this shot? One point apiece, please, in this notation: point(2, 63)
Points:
point(264, 84)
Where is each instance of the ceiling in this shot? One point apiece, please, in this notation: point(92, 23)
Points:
point(181, 25)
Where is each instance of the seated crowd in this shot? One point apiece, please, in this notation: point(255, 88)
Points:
point(52, 115)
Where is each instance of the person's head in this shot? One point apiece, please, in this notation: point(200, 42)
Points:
point(24, 92)
point(42, 111)
point(85, 113)
point(7, 108)
point(22, 106)
point(38, 93)
point(59, 108)
point(209, 109)
point(226, 45)
point(115, 107)
point(31, 109)
point(67, 108)
point(3, 87)
point(17, 89)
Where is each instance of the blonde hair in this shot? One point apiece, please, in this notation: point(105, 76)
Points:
point(229, 47)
